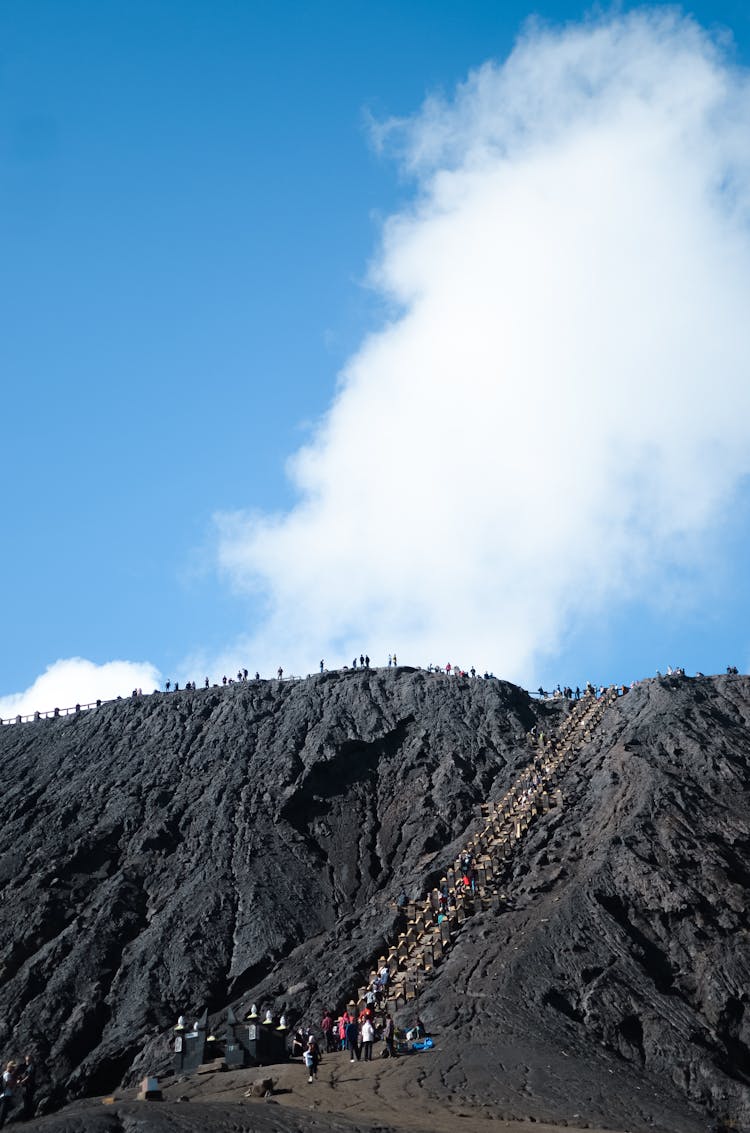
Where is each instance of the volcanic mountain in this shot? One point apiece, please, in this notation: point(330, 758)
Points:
point(209, 848)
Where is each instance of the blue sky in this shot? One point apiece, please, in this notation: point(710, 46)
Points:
point(190, 201)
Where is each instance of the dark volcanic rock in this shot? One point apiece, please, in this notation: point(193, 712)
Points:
point(204, 848)
point(165, 853)
point(625, 952)
point(219, 1117)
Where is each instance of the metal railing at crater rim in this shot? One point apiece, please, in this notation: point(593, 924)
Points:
point(77, 709)
point(53, 713)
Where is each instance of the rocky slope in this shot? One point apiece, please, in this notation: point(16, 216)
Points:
point(206, 848)
point(625, 952)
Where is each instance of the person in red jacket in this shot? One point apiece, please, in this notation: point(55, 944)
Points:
point(326, 1026)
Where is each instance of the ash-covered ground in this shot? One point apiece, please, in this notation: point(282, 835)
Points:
point(246, 843)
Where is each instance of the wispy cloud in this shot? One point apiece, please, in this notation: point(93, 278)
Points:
point(560, 405)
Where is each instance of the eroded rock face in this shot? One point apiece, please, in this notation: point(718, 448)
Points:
point(247, 843)
point(163, 854)
point(625, 951)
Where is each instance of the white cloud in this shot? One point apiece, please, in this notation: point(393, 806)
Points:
point(559, 407)
point(77, 681)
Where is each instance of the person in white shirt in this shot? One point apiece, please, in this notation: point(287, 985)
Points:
point(368, 1037)
point(7, 1089)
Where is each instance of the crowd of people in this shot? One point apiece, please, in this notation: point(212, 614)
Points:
point(360, 1026)
point(449, 669)
point(363, 662)
point(18, 1086)
point(568, 693)
point(355, 1031)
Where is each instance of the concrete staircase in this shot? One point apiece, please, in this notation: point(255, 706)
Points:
point(434, 925)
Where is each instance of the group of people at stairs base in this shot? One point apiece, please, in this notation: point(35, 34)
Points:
point(356, 1030)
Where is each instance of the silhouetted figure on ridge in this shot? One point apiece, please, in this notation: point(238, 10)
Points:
point(352, 1039)
point(388, 1036)
point(27, 1082)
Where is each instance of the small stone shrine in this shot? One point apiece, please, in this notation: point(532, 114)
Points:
point(190, 1045)
point(255, 1041)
